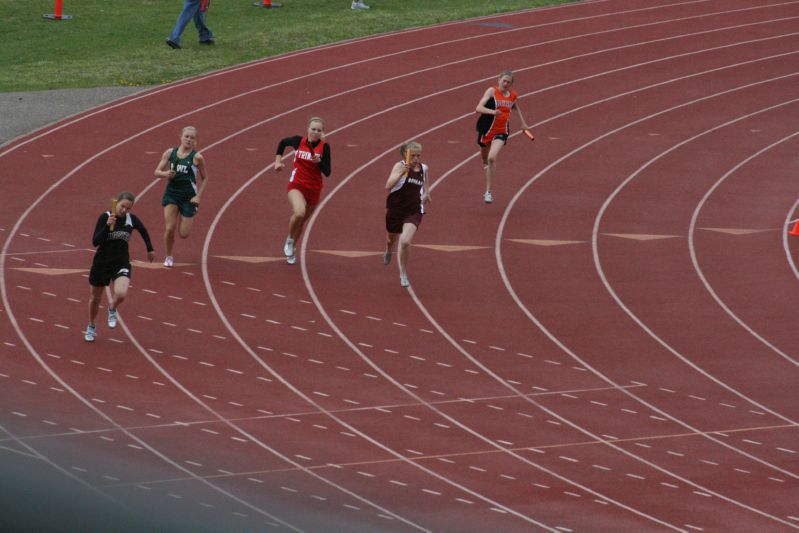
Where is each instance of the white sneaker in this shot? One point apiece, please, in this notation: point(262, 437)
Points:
point(404, 280)
point(168, 262)
point(386, 257)
point(112, 318)
point(291, 259)
point(487, 198)
point(288, 248)
point(358, 4)
point(91, 333)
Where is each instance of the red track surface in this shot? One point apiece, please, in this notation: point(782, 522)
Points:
point(610, 346)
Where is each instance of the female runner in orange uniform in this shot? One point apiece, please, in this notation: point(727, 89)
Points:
point(493, 125)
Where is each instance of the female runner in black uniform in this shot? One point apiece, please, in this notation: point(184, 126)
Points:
point(111, 264)
point(408, 191)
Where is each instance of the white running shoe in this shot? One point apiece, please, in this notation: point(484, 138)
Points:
point(291, 259)
point(91, 333)
point(112, 318)
point(487, 197)
point(386, 257)
point(358, 4)
point(288, 248)
point(168, 262)
point(404, 280)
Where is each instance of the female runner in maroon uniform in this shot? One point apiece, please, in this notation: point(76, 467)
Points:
point(111, 263)
point(311, 160)
point(493, 125)
point(408, 191)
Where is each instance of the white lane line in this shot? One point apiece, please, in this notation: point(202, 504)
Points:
point(595, 232)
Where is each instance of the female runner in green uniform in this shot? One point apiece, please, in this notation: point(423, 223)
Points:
point(181, 166)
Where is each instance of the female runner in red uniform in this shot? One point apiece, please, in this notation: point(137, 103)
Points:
point(493, 125)
point(311, 160)
point(408, 191)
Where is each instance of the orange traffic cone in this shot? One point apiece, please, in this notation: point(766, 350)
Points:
point(59, 12)
point(794, 229)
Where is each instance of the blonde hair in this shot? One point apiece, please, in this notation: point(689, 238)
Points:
point(188, 128)
point(316, 119)
point(410, 145)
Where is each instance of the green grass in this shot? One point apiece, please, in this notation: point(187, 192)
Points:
point(121, 42)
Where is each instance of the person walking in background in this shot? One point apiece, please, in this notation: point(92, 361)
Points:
point(311, 161)
point(408, 191)
point(181, 166)
point(192, 10)
point(493, 125)
point(111, 263)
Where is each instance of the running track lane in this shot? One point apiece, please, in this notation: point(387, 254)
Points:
point(584, 354)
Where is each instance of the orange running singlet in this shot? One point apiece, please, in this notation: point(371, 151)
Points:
point(489, 126)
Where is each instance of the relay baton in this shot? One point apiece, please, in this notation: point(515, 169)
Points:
point(407, 160)
point(113, 211)
point(529, 134)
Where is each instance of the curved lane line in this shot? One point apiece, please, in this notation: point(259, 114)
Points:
point(56, 184)
point(53, 128)
point(255, 440)
point(346, 179)
point(376, 58)
point(7, 152)
point(575, 356)
point(300, 394)
point(518, 392)
point(64, 178)
point(615, 296)
point(788, 256)
point(555, 163)
point(233, 197)
point(695, 260)
point(214, 143)
point(292, 55)
point(82, 399)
